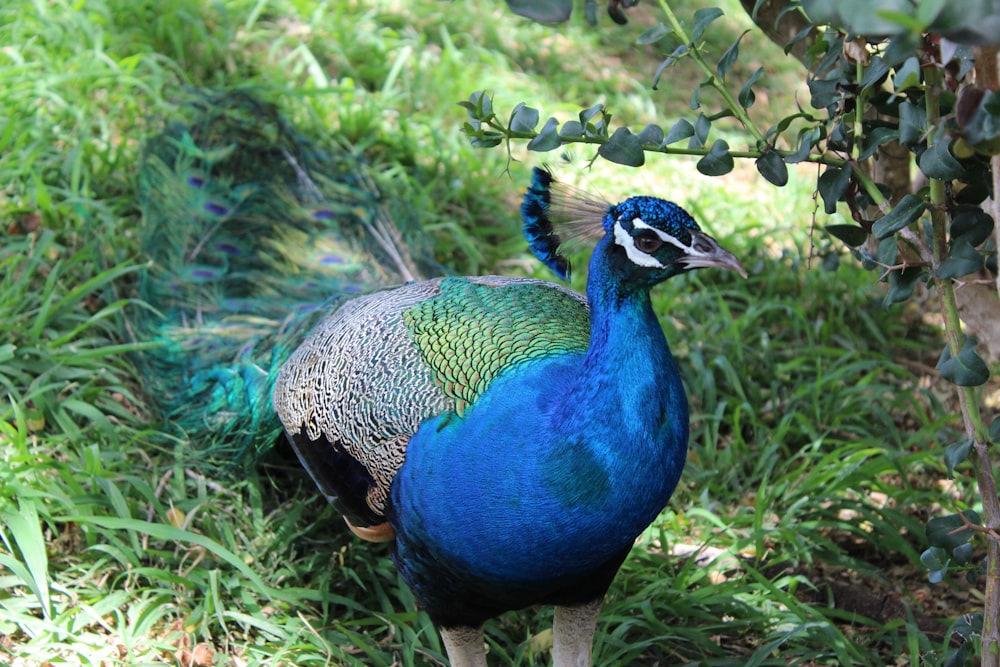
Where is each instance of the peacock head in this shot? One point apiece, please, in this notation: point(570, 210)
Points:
point(653, 238)
point(660, 239)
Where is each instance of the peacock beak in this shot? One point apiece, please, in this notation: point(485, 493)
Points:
point(706, 252)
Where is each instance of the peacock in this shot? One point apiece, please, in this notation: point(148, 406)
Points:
point(510, 437)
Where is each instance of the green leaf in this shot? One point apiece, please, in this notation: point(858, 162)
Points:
point(935, 558)
point(695, 102)
point(701, 128)
point(995, 430)
point(875, 138)
point(682, 129)
point(903, 214)
point(523, 119)
point(938, 162)
point(972, 225)
point(963, 553)
point(956, 453)
point(901, 285)
point(907, 76)
point(654, 34)
point(587, 114)
point(623, 148)
point(888, 250)
point(651, 135)
point(772, 167)
point(912, 123)
point(729, 57)
point(747, 97)
point(961, 261)
point(967, 369)
point(948, 532)
point(807, 138)
point(702, 18)
point(571, 128)
point(851, 235)
point(676, 55)
point(543, 11)
point(26, 532)
point(548, 139)
point(832, 185)
point(718, 161)
point(874, 73)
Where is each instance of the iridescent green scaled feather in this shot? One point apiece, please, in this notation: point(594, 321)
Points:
point(470, 332)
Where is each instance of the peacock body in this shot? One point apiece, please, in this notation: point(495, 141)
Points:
point(510, 437)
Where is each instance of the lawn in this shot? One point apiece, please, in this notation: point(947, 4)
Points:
point(817, 417)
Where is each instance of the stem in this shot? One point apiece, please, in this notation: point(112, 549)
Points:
point(971, 415)
point(711, 77)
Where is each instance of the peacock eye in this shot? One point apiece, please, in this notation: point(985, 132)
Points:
point(647, 241)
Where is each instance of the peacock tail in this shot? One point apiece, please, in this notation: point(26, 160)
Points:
point(254, 231)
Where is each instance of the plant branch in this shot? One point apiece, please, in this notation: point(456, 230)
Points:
point(711, 77)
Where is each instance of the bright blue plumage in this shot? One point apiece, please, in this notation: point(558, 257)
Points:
point(510, 437)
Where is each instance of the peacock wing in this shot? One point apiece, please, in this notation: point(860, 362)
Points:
point(354, 393)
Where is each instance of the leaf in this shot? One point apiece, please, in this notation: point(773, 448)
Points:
point(824, 92)
point(701, 128)
point(543, 11)
point(695, 101)
point(571, 128)
point(912, 124)
point(651, 135)
point(956, 453)
point(961, 261)
point(971, 224)
point(523, 119)
point(963, 553)
point(967, 369)
point(934, 558)
point(901, 285)
point(623, 148)
point(747, 97)
point(832, 185)
point(851, 235)
point(548, 139)
point(654, 34)
point(702, 18)
point(479, 106)
point(938, 162)
point(676, 55)
point(772, 167)
point(948, 532)
point(995, 430)
point(807, 138)
point(875, 138)
point(903, 214)
point(587, 114)
point(874, 73)
point(682, 129)
point(26, 532)
point(718, 161)
point(729, 57)
point(907, 76)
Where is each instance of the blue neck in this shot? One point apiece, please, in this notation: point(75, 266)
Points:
point(629, 392)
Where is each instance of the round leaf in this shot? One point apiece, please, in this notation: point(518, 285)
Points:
point(718, 161)
point(772, 167)
point(623, 148)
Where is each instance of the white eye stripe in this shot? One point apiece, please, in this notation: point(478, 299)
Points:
point(624, 239)
point(667, 238)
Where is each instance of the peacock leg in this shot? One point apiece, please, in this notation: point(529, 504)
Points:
point(464, 646)
point(573, 634)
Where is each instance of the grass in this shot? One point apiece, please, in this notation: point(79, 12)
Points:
point(814, 456)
